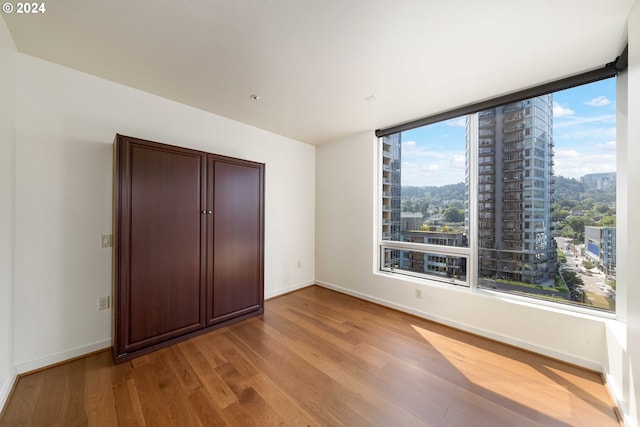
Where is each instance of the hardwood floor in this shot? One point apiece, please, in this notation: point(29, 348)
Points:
point(317, 358)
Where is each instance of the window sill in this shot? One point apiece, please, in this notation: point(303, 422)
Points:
point(532, 303)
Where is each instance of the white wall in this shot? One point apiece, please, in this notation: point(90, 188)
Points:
point(66, 122)
point(7, 218)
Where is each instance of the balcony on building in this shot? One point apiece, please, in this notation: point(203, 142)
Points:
point(513, 117)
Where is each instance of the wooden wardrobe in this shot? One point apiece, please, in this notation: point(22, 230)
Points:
point(188, 244)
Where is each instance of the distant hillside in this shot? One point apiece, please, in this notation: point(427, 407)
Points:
point(568, 188)
point(419, 199)
point(568, 191)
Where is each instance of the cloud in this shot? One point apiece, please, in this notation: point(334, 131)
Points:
point(458, 161)
point(412, 150)
point(599, 101)
point(595, 152)
point(409, 145)
point(560, 111)
point(574, 164)
point(576, 121)
point(566, 154)
point(424, 167)
point(598, 135)
point(611, 145)
point(459, 123)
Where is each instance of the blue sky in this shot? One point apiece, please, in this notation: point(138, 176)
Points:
point(584, 133)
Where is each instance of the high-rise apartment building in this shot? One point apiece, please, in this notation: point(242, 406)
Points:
point(515, 189)
point(391, 188)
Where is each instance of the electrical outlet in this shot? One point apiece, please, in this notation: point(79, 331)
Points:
point(105, 241)
point(419, 293)
point(103, 303)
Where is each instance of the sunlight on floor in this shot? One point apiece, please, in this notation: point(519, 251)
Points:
point(519, 376)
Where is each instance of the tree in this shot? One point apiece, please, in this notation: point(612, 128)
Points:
point(559, 213)
point(572, 279)
point(576, 227)
point(608, 221)
point(574, 283)
point(588, 264)
point(453, 214)
point(588, 203)
point(569, 204)
point(562, 258)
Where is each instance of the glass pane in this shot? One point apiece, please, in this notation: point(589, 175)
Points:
point(425, 193)
point(546, 196)
point(449, 268)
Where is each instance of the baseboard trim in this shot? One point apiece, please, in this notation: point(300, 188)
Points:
point(288, 290)
point(64, 356)
point(6, 390)
point(566, 358)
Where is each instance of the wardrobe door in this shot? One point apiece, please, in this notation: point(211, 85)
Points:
point(235, 195)
point(160, 276)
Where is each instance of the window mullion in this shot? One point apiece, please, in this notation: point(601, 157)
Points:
point(472, 200)
point(424, 247)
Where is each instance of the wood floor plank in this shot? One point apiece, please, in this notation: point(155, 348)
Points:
point(61, 400)
point(186, 374)
point(314, 389)
point(74, 404)
point(203, 404)
point(369, 404)
point(22, 407)
point(252, 410)
point(205, 368)
point(285, 405)
point(99, 400)
point(178, 403)
point(146, 386)
point(127, 404)
point(318, 358)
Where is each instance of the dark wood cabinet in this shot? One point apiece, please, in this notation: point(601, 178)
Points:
point(188, 243)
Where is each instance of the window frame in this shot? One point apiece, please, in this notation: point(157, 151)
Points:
point(472, 250)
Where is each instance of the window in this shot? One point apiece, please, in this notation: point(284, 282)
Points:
point(523, 191)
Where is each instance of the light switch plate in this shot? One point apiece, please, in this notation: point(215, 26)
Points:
point(103, 303)
point(105, 241)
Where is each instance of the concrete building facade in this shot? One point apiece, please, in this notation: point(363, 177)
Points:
point(515, 191)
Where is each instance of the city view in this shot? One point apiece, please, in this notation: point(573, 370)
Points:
point(545, 197)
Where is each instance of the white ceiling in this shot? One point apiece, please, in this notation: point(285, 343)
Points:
point(313, 62)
